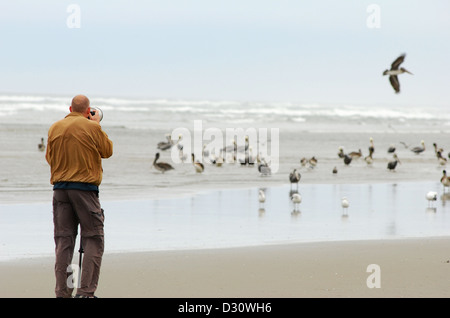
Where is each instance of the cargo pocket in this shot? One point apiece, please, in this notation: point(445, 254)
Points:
point(98, 219)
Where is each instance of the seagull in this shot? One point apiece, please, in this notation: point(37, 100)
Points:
point(417, 150)
point(392, 164)
point(296, 199)
point(445, 180)
point(161, 166)
point(345, 204)
point(394, 71)
point(261, 197)
point(431, 196)
point(199, 167)
point(41, 146)
point(294, 177)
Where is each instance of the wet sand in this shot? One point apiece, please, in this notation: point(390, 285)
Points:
point(407, 268)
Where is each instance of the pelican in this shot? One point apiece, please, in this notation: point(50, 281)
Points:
point(294, 177)
point(345, 204)
point(391, 149)
point(264, 168)
point(436, 149)
point(355, 154)
point(312, 162)
point(417, 150)
point(442, 160)
point(394, 71)
point(392, 164)
point(199, 167)
point(41, 146)
point(347, 159)
point(161, 166)
point(335, 170)
point(371, 147)
point(431, 196)
point(341, 152)
point(445, 180)
point(303, 161)
point(296, 198)
point(164, 145)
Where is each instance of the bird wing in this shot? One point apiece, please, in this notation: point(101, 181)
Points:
point(397, 62)
point(395, 83)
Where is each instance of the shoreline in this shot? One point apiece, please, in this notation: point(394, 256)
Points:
point(408, 267)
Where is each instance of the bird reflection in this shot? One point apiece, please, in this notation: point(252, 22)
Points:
point(296, 199)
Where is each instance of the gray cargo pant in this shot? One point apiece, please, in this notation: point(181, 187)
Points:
point(70, 208)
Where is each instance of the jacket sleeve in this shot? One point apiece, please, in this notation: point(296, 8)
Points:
point(104, 144)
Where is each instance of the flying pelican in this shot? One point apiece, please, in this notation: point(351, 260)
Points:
point(161, 166)
point(296, 199)
point(394, 71)
point(392, 164)
point(294, 177)
point(199, 167)
point(41, 146)
point(417, 150)
point(345, 204)
point(445, 180)
point(431, 196)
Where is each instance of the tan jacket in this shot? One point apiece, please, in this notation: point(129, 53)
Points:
point(75, 147)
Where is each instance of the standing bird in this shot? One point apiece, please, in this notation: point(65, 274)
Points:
point(442, 160)
point(394, 71)
point(341, 153)
point(303, 161)
point(445, 180)
point(294, 177)
point(392, 164)
point(419, 149)
point(335, 170)
point(371, 147)
point(391, 149)
point(41, 146)
point(161, 166)
point(347, 159)
point(345, 204)
point(296, 198)
point(355, 154)
point(199, 167)
point(261, 197)
point(312, 162)
point(369, 158)
point(431, 196)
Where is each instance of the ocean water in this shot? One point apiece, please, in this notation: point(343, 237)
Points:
point(282, 133)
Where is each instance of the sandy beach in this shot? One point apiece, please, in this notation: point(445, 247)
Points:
point(408, 268)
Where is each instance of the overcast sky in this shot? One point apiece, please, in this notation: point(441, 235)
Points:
point(325, 51)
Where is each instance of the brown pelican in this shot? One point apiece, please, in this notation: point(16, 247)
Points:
point(391, 149)
point(161, 166)
point(445, 180)
point(355, 154)
point(264, 168)
point(442, 160)
point(41, 146)
point(294, 177)
point(199, 167)
point(394, 71)
point(303, 161)
point(419, 149)
point(347, 159)
point(392, 164)
point(371, 147)
point(335, 170)
point(341, 152)
point(312, 162)
point(369, 158)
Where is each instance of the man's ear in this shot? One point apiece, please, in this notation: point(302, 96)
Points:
point(70, 108)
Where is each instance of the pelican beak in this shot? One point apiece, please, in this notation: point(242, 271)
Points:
point(409, 72)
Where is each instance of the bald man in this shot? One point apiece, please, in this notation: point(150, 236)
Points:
point(75, 148)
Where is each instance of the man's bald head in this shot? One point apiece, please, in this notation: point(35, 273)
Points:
point(80, 104)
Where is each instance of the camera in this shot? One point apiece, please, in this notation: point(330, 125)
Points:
point(97, 110)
